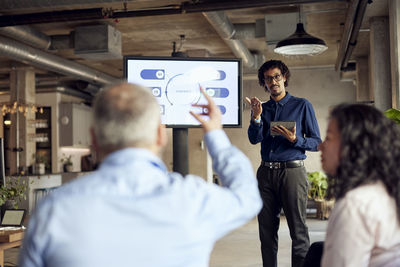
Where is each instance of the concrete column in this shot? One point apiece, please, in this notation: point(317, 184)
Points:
point(364, 93)
point(22, 131)
point(394, 25)
point(380, 62)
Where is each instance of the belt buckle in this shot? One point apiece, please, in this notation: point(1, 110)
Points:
point(273, 165)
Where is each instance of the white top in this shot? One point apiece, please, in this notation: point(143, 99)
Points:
point(363, 230)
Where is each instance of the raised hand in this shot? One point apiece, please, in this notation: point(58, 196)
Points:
point(212, 111)
point(256, 107)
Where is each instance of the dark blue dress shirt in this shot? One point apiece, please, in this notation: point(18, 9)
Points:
point(278, 148)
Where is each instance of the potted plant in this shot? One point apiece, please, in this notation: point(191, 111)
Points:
point(67, 163)
point(12, 193)
point(318, 191)
point(393, 114)
point(41, 161)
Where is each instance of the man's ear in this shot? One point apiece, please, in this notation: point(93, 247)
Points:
point(162, 138)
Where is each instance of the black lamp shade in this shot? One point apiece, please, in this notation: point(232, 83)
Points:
point(300, 43)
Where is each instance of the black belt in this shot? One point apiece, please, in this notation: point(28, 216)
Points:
point(282, 164)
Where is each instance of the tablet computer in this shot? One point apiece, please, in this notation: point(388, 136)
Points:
point(13, 218)
point(287, 124)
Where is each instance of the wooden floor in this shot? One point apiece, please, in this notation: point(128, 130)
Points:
point(241, 248)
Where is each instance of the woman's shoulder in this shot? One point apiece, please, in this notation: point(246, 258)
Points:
point(370, 199)
point(367, 191)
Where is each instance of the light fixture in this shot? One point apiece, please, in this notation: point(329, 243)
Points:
point(300, 43)
point(21, 107)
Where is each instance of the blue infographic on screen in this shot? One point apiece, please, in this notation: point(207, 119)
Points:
point(176, 85)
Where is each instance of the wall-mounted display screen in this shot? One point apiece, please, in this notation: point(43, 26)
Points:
point(176, 82)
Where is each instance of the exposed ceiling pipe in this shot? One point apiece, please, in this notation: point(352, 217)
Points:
point(54, 16)
point(28, 35)
point(35, 38)
point(35, 4)
point(100, 13)
point(13, 5)
point(225, 29)
point(27, 54)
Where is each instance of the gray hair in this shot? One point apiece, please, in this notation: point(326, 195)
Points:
point(125, 115)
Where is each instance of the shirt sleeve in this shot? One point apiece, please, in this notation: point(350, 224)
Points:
point(35, 239)
point(349, 237)
point(223, 208)
point(311, 137)
point(255, 132)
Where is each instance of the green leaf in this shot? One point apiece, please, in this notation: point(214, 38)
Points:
point(393, 114)
point(318, 185)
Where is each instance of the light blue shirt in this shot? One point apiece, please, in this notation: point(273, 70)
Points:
point(133, 212)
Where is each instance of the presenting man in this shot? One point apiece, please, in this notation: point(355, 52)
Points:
point(282, 178)
point(131, 211)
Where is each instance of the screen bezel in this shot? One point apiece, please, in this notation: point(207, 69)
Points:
point(240, 75)
point(13, 224)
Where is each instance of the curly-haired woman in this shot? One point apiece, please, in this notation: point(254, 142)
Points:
point(361, 156)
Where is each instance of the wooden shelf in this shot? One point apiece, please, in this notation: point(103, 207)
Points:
point(7, 236)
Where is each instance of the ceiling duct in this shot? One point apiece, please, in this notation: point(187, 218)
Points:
point(98, 42)
point(27, 35)
point(95, 42)
point(30, 36)
point(248, 31)
point(40, 59)
point(226, 30)
point(279, 26)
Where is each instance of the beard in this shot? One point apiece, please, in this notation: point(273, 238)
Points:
point(275, 93)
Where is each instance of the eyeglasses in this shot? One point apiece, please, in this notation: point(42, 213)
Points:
point(277, 78)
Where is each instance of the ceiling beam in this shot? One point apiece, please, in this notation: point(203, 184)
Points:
point(184, 7)
point(355, 15)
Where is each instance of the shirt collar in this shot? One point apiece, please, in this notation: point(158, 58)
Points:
point(126, 155)
point(283, 101)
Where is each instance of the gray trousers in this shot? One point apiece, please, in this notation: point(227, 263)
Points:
point(283, 188)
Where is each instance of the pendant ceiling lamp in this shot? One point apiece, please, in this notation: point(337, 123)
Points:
point(300, 43)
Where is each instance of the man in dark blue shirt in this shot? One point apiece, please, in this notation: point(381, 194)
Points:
point(282, 178)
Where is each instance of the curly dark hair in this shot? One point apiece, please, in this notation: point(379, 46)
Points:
point(271, 64)
point(370, 151)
